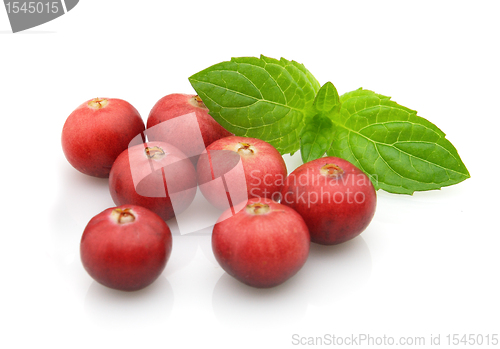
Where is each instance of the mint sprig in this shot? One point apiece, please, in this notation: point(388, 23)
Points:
point(279, 101)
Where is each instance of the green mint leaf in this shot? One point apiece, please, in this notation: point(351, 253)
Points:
point(316, 138)
point(317, 135)
point(327, 98)
point(403, 152)
point(261, 97)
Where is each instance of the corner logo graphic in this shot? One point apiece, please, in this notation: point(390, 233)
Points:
point(28, 14)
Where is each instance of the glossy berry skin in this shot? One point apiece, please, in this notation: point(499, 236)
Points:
point(263, 170)
point(175, 105)
point(262, 245)
point(125, 247)
point(97, 132)
point(336, 199)
point(149, 175)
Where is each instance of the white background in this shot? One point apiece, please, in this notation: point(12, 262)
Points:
point(426, 266)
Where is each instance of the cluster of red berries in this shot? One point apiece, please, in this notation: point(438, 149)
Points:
point(268, 218)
